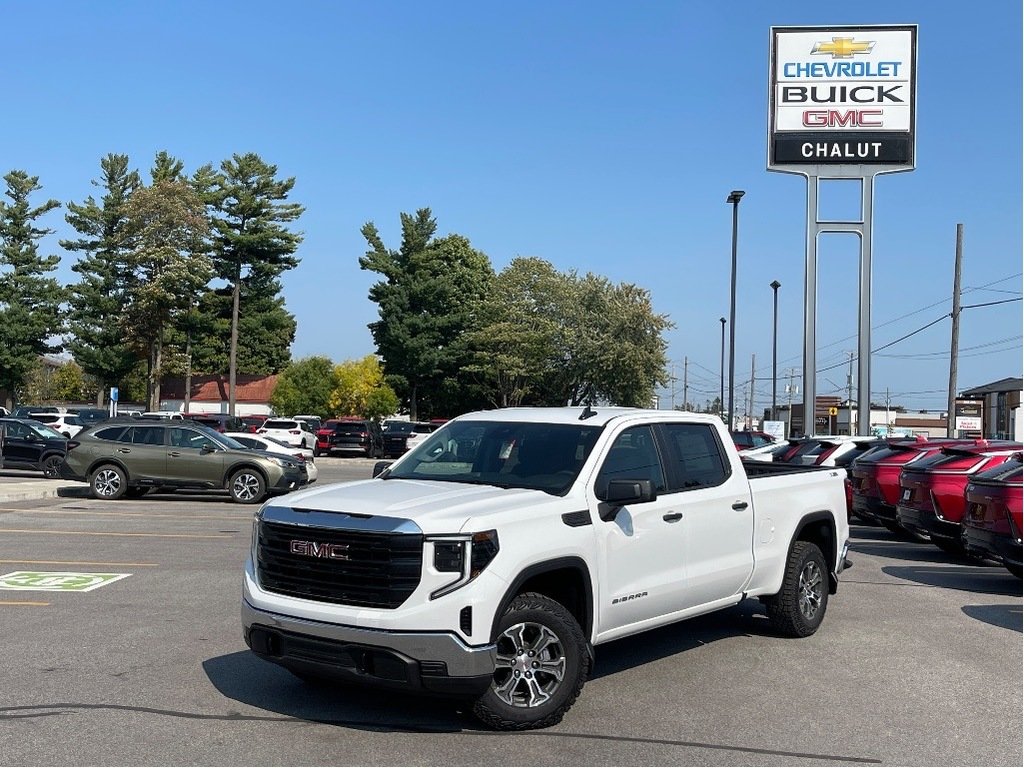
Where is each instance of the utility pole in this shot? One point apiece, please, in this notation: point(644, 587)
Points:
point(750, 402)
point(789, 406)
point(849, 395)
point(954, 343)
point(672, 382)
point(686, 393)
point(888, 426)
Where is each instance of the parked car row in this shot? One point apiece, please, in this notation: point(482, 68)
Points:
point(962, 495)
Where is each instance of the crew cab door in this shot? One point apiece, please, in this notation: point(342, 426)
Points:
point(715, 500)
point(642, 547)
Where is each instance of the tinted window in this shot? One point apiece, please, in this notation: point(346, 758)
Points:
point(109, 433)
point(248, 442)
point(696, 456)
point(190, 438)
point(633, 456)
point(145, 436)
point(15, 429)
point(280, 424)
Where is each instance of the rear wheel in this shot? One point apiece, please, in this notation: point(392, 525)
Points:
point(51, 466)
point(799, 607)
point(542, 664)
point(108, 482)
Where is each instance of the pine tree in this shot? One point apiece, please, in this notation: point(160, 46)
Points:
point(97, 301)
point(29, 298)
point(250, 236)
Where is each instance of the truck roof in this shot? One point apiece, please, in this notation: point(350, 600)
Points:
point(593, 415)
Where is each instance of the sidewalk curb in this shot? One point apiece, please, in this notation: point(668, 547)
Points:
point(47, 489)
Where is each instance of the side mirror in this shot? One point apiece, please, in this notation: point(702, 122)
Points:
point(623, 492)
point(380, 466)
point(31, 437)
point(207, 449)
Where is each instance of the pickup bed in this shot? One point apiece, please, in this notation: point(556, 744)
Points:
point(490, 560)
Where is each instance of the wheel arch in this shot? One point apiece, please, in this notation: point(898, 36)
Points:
point(563, 579)
point(819, 528)
point(245, 465)
point(97, 463)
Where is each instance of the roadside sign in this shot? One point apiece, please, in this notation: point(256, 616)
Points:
point(58, 581)
point(114, 394)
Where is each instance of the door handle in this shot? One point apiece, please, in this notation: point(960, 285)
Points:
point(672, 517)
point(124, 450)
point(739, 505)
point(174, 454)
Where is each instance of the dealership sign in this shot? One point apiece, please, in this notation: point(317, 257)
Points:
point(969, 415)
point(842, 96)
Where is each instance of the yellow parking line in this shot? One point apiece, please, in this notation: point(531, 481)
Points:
point(21, 602)
point(138, 535)
point(79, 562)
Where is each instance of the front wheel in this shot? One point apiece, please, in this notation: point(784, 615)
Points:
point(799, 607)
point(247, 486)
point(542, 663)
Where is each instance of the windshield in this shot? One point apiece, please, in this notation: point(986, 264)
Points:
point(507, 454)
point(47, 432)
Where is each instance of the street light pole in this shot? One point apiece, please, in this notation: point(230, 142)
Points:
point(734, 198)
point(775, 285)
point(721, 394)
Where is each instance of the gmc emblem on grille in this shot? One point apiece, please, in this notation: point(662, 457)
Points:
point(316, 549)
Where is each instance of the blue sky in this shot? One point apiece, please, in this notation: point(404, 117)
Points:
point(600, 136)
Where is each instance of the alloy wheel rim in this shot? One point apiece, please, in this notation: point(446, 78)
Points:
point(107, 482)
point(246, 487)
point(52, 467)
point(811, 590)
point(530, 665)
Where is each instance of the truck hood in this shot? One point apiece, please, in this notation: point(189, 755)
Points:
point(436, 507)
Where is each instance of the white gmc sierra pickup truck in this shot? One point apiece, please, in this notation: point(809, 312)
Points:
point(490, 560)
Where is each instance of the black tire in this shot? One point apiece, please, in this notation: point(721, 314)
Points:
point(51, 466)
point(317, 453)
point(799, 607)
point(530, 620)
point(247, 486)
point(137, 492)
point(108, 482)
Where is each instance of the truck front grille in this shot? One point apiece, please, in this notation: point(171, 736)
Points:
point(360, 568)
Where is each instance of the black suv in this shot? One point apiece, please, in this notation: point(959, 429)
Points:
point(27, 444)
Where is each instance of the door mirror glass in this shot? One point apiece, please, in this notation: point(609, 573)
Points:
point(380, 466)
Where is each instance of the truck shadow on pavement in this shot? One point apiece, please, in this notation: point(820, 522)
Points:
point(245, 678)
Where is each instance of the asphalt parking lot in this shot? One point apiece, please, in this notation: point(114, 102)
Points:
point(919, 662)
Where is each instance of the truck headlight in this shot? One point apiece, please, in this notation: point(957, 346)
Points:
point(464, 554)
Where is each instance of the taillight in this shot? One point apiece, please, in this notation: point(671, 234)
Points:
point(73, 444)
point(300, 457)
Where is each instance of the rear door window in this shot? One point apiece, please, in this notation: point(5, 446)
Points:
point(695, 457)
point(145, 436)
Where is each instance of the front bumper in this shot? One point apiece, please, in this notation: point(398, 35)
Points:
point(290, 480)
point(978, 541)
point(433, 662)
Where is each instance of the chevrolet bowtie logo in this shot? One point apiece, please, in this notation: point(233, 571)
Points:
point(842, 47)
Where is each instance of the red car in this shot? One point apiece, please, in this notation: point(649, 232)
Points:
point(992, 522)
point(875, 478)
point(932, 499)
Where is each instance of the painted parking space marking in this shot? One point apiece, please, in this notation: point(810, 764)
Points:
point(103, 533)
point(58, 581)
point(23, 602)
point(79, 562)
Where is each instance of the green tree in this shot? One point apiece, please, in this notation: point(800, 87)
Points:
point(250, 234)
point(305, 386)
point(69, 382)
point(360, 390)
point(97, 301)
point(166, 234)
point(429, 297)
point(30, 297)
